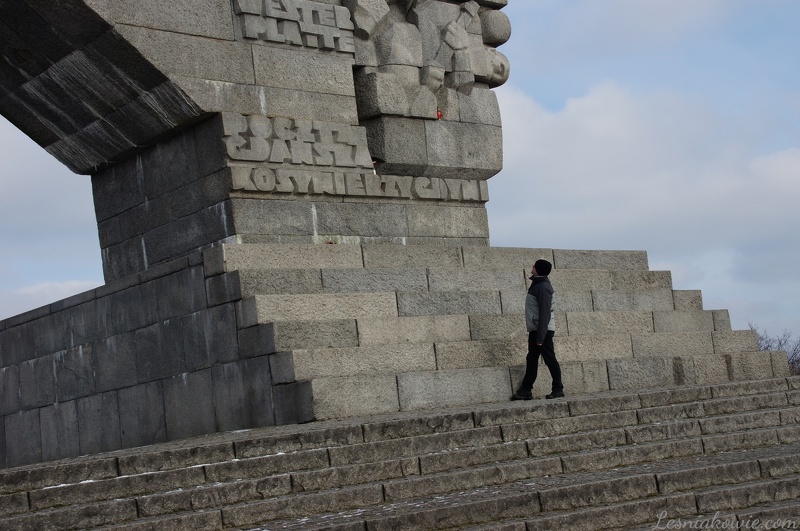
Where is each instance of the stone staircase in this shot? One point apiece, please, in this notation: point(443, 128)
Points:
point(404, 357)
point(610, 460)
point(370, 329)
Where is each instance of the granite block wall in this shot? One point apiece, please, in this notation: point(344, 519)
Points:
point(146, 359)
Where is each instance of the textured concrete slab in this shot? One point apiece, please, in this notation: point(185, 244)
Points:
point(576, 259)
point(683, 321)
point(671, 344)
point(425, 329)
point(604, 323)
point(269, 308)
point(453, 387)
point(593, 348)
point(660, 299)
point(378, 359)
point(232, 257)
point(350, 396)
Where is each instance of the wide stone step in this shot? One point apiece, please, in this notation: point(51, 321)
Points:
point(438, 452)
point(577, 289)
point(231, 257)
point(397, 459)
point(282, 336)
point(600, 500)
point(269, 308)
point(455, 387)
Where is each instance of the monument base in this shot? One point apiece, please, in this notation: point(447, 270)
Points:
point(248, 335)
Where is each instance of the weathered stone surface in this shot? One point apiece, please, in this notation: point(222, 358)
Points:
point(59, 430)
point(688, 299)
point(665, 431)
point(458, 150)
point(379, 359)
point(780, 364)
point(583, 377)
point(574, 301)
point(426, 329)
point(735, 341)
point(660, 397)
point(579, 279)
point(471, 354)
point(115, 362)
point(751, 366)
point(673, 344)
point(188, 406)
point(484, 279)
point(712, 369)
point(633, 300)
point(569, 259)
point(355, 280)
point(397, 256)
point(350, 396)
point(141, 413)
point(233, 257)
point(593, 348)
point(232, 382)
point(207, 18)
point(772, 385)
point(599, 323)
point(303, 70)
point(683, 321)
point(504, 257)
point(628, 280)
point(266, 308)
point(576, 496)
point(511, 327)
point(222, 60)
point(438, 222)
point(650, 371)
point(37, 382)
point(324, 333)
point(448, 302)
point(453, 387)
point(722, 320)
point(99, 423)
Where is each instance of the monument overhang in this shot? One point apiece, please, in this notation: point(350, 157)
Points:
point(78, 88)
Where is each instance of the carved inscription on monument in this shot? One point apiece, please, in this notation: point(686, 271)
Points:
point(294, 156)
point(296, 141)
point(297, 22)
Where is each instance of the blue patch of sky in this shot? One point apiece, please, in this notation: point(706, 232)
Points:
point(744, 67)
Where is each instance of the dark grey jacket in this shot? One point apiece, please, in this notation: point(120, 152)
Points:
point(539, 304)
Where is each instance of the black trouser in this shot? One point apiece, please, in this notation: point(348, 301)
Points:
point(547, 351)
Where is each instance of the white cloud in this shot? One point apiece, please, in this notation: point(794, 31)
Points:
point(655, 172)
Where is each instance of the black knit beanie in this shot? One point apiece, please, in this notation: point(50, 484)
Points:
point(543, 267)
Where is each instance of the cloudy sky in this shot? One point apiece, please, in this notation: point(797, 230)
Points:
point(670, 126)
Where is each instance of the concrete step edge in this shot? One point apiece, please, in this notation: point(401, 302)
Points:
point(668, 511)
point(411, 481)
point(220, 447)
point(391, 514)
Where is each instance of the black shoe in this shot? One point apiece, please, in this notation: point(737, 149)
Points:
point(522, 395)
point(555, 394)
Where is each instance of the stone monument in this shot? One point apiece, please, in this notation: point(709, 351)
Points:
point(290, 203)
